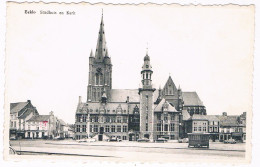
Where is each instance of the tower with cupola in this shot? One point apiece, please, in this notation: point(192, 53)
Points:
point(146, 101)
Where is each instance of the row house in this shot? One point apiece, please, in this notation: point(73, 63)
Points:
point(232, 126)
point(41, 126)
point(20, 113)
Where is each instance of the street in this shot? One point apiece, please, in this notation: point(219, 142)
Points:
point(130, 151)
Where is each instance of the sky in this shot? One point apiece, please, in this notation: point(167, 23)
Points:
point(207, 49)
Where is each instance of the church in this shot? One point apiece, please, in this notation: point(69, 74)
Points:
point(131, 114)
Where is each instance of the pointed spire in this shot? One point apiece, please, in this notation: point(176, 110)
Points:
point(91, 53)
point(101, 43)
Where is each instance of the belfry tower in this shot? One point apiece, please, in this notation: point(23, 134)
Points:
point(146, 101)
point(100, 70)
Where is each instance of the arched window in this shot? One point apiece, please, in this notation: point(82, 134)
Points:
point(146, 75)
point(101, 79)
point(97, 79)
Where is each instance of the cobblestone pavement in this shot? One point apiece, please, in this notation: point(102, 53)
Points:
point(132, 151)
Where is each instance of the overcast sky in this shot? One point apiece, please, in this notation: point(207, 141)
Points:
point(205, 49)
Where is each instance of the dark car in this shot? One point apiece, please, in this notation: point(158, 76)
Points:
point(143, 140)
point(161, 140)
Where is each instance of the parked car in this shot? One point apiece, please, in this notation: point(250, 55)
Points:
point(114, 138)
point(143, 140)
point(230, 141)
point(58, 138)
point(161, 140)
point(12, 138)
point(184, 140)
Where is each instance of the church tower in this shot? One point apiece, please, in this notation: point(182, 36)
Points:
point(100, 70)
point(146, 101)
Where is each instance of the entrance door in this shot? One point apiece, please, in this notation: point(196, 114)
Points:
point(101, 130)
point(146, 136)
point(100, 137)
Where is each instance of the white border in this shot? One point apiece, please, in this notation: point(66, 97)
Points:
point(256, 122)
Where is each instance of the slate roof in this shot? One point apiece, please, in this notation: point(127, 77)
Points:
point(185, 115)
point(231, 120)
point(198, 117)
point(191, 99)
point(39, 118)
point(120, 95)
point(16, 107)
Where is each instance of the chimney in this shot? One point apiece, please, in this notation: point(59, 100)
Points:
point(224, 113)
point(80, 99)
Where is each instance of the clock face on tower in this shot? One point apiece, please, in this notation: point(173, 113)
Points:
point(147, 66)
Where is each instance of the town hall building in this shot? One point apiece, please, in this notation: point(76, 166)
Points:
point(131, 114)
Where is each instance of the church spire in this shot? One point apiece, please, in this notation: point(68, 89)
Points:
point(101, 48)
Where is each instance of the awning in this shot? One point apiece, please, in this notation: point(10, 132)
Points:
point(237, 134)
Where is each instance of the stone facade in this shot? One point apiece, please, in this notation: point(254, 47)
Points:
point(130, 114)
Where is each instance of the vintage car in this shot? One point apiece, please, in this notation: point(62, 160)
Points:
point(230, 141)
point(161, 140)
point(114, 138)
point(184, 140)
point(143, 140)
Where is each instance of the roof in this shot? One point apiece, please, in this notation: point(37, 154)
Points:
point(120, 95)
point(101, 49)
point(39, 118)
point(62, 122)
point(198, 117)
point(16, 107)
point(185, 115)
point(212, 118)
point(191, 99)
point(231, 120)
point(164, 105)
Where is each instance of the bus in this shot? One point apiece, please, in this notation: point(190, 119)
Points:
point(198, 139)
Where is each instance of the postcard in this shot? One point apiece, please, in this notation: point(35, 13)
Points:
point(142, 83)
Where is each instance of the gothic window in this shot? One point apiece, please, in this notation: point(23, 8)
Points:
point(100, 79)
point(97, 79)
